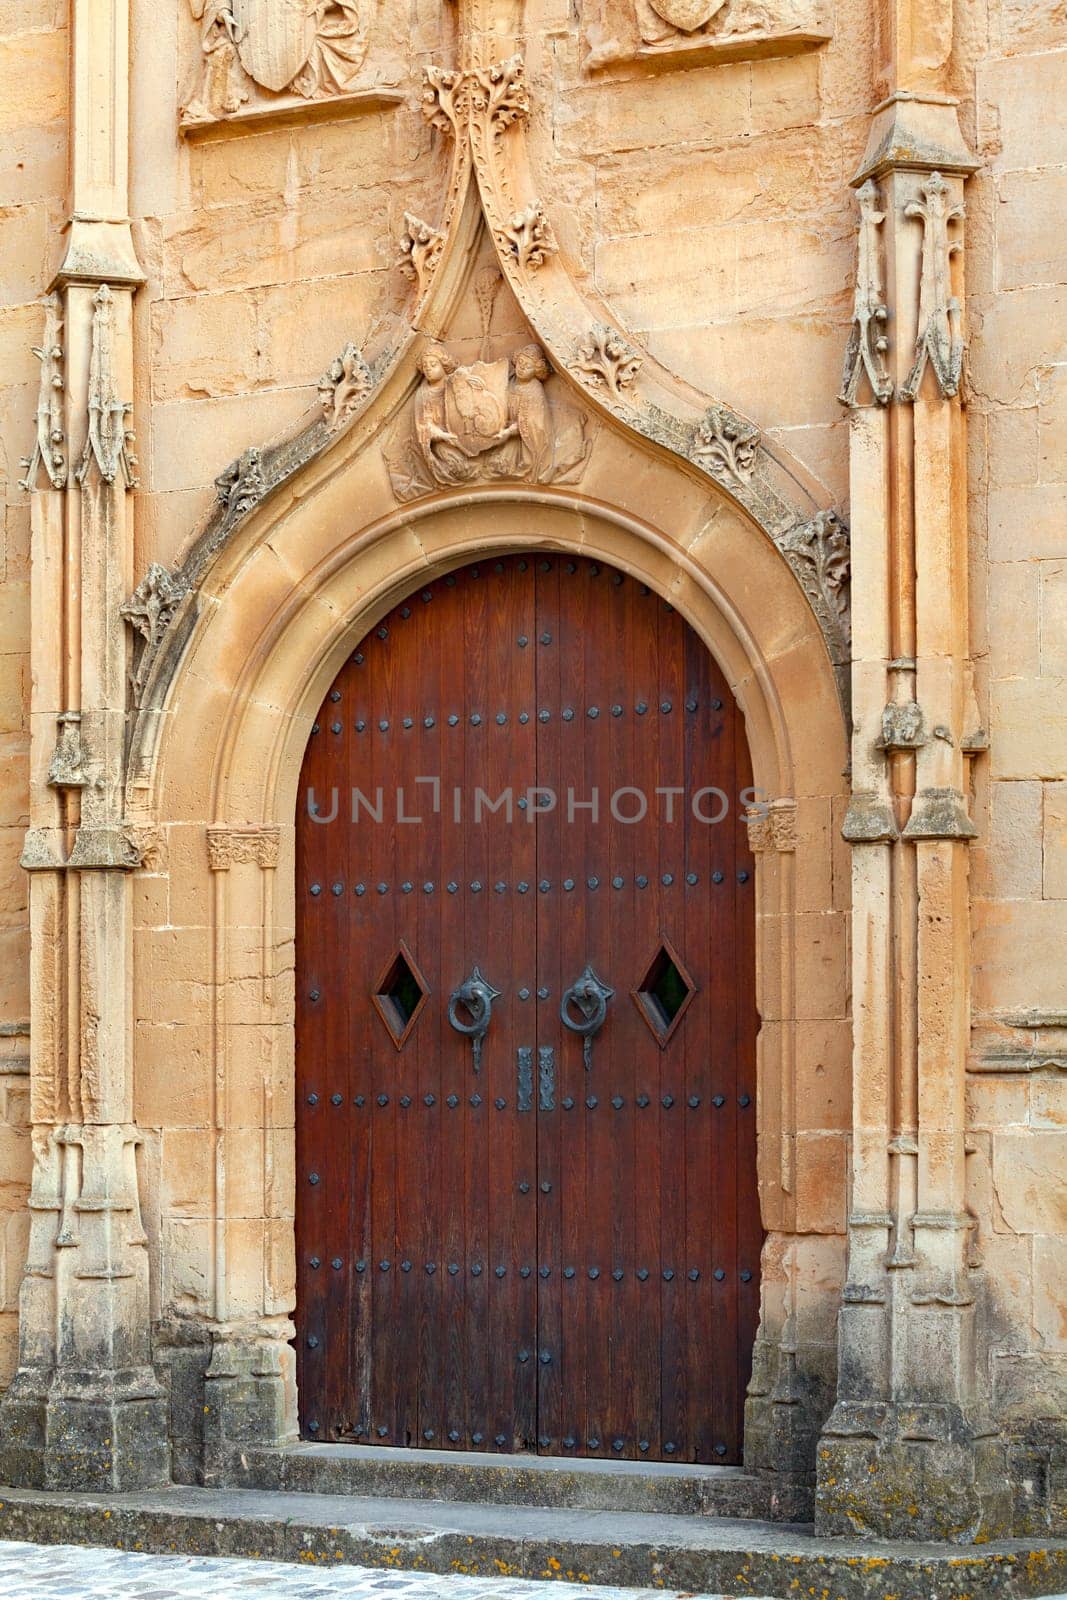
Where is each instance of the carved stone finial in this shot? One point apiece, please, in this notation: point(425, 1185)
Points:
point(498, 94)
point(49, 441)
point(528, 237)
point(150, 611)
point(346, 382)
point(489, 420)
point(939, 342)
point(818, 552)
point(241, 486)
point(442, 96)
point(108, 440)
point(420, 251)
point(605, 359)
point(725, 445)
point(867, 341)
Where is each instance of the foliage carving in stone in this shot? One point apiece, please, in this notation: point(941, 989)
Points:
point(343, 387)
point(108, 441)
point(253, 49)
point(939, 342)
point(604, 359)
point(150, 611)
point(234, 847)
point(528, 237)
point(726, 445)
point(818, 552)
point(49, 442)
point(443, 96)
point(867, 342)
point(420, 251)
point(241, 486)
point(488, 421)
point(498, 94)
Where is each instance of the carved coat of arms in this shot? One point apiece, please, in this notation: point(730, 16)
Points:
point(687, 15)
point(309, 47)
point(491, 419)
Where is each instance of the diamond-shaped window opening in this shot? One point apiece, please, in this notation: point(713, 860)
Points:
point(400, 995)
point(665, 993)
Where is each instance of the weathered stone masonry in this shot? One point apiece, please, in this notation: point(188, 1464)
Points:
point(696, 215)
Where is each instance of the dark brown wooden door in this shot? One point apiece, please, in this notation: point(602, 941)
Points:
point(544, 1236)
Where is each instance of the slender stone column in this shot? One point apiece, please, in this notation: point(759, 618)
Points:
point(909, 1449)
point(85, 1409)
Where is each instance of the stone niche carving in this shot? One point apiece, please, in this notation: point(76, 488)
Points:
point(490, 420)
point(261, 54)
point(627, 30)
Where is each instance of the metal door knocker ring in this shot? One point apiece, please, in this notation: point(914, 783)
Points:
point(589, 997)
point(476, 994)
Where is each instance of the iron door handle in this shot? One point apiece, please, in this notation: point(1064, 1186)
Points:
point(477, 995)
point(589, 997)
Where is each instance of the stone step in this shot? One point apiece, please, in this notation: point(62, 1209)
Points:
point(683, 1554)
point(591, 1485)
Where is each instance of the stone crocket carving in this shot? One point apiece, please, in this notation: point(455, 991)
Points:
point(489, 420)
point(311, 48)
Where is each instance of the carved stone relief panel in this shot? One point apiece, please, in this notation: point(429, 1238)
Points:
point(254, 59)
point(627, 30)
point(486, 421)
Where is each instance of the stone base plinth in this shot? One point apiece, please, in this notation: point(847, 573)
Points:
point(107, 1431)
point(911, 1472)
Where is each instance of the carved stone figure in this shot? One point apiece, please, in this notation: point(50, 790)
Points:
point(620, 30)
point(312, 48)
point(489, 420)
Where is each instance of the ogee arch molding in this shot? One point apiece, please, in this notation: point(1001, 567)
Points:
point(278, 613)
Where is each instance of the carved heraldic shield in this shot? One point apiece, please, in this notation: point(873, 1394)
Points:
point(476, 404)
point(274, 38)
point(688, 15)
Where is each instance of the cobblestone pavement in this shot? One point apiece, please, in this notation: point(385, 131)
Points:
point(70, 1572)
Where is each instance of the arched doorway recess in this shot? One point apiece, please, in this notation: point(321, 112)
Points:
point(527, 1206)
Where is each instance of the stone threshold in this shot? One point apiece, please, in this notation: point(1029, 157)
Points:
point(633, 1549)
point(679, 1489)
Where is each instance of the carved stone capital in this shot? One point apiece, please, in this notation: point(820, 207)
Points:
point(772, 827)
point(232, 847)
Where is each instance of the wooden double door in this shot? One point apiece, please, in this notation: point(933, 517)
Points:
point(527, 1216)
